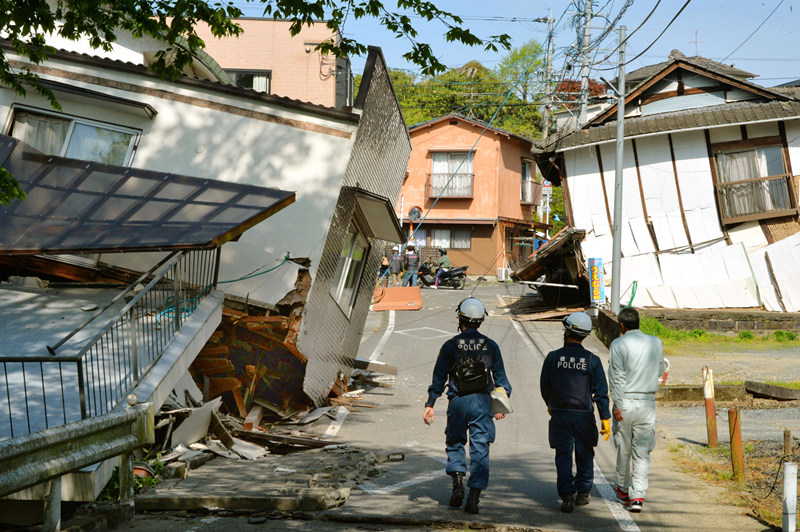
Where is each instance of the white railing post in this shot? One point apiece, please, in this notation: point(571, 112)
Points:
point(789, 497)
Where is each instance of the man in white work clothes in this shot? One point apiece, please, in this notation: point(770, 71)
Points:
point(636, 361)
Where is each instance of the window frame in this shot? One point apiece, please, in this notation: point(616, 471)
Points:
point(339, 279)
point(468, 158)
point(233, 72)
point(719, 150)
point(135, 133)
point(526, 163)
point(451, 231)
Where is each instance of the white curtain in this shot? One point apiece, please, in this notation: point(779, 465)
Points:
point(260, 84)
point(440, 238)
point(461, 239)
point(444, 166)
point(45, 133)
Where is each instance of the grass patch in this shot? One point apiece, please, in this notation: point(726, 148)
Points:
point(792, 385)
point(701, 338)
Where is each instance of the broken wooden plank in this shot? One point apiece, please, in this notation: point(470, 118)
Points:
point(253, 417)
point(373, 365)
point(212, 366)
point(281, 439)
point(219, 385)
point(232, 313)
point(770, 391)
point(237, 396)
point(216, 427)
point(214, 351)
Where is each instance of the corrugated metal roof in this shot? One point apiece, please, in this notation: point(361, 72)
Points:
point(716, 116)
point(75, 206)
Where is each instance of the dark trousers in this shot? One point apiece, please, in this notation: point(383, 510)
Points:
point(470, 414)
point(573, 432)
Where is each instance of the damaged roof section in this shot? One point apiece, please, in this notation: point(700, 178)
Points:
point(75, 206)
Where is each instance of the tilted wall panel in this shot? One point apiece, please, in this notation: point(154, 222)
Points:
point(330, 338)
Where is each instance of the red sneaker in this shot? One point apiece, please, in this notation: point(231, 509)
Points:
point(635, 505)
point(621, 495)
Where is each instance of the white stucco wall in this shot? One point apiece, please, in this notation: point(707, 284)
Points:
point(195, 140)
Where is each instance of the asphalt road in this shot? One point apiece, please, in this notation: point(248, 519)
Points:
point(412, 494)
point(522, 488)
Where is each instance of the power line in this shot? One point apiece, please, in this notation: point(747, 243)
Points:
point(656, 39)
point(755, 30)
point(603, 60)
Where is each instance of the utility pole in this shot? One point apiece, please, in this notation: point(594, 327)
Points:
point(587, 36)
point(548, 97)
point(616, 249)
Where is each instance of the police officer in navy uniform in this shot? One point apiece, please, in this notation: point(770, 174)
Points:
point(467, 413)
point(572, 380)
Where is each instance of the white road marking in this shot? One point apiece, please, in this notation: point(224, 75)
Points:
point(341, 412)
point(525, 338)
point(336, 424)
point(410, 332)
point(372, 489)
point(626, 523)
point(389, 329)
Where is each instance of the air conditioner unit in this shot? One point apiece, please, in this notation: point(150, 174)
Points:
point(503, 274)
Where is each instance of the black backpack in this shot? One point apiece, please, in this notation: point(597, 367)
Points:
point(471, 375)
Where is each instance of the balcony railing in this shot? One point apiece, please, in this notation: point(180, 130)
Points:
point(460, 186)
point(56, 389)
point(756, 199)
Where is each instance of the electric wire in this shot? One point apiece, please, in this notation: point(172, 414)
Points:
point(755, 30)
point(654, 40)
point(631, 34)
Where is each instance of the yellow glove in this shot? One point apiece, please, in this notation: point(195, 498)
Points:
point(606, 430)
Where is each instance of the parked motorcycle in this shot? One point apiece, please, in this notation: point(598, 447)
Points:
point(452, 277)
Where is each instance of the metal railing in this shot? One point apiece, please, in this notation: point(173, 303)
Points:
point(754, 199)
point(48, 455)
point(460, 186)
point(47, 391)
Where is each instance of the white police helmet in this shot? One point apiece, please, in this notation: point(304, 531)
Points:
point(471, 310)
point(579, 323)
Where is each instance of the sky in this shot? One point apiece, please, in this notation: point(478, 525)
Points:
point(760, 37)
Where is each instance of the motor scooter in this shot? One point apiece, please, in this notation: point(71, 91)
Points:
point(452, 277)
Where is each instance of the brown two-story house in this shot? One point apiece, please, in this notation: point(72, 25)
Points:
point(470, 189)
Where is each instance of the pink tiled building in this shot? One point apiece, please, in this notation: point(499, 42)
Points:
point(267, 58)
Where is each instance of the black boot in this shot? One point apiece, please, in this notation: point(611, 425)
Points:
point(458, 490)
point(568, 503)
point(472, 501)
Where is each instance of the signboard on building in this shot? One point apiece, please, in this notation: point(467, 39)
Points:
point(598, 295)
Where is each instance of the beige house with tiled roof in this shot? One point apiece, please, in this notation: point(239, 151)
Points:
point(710, 198)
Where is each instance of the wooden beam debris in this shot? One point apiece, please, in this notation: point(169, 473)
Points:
point(286, 439)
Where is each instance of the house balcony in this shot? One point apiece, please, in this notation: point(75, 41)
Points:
point(459, 187)
point(756, 199)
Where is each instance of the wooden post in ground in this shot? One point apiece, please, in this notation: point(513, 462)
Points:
point(787, 443)
point(711, 408)
point(737, 452)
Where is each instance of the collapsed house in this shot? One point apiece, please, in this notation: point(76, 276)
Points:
point(312, 267)
point(710, 199)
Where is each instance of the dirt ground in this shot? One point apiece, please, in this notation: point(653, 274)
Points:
point(734, 364)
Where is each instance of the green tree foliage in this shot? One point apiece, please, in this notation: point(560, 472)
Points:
point(25, 26)
point(476, 91)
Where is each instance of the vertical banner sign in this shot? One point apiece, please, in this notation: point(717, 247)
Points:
point(596, 279)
